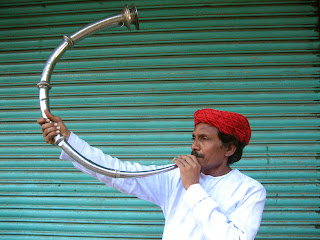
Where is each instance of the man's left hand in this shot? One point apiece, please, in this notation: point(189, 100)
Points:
point(189, 169)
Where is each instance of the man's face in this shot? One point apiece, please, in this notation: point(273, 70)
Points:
point(207, 147)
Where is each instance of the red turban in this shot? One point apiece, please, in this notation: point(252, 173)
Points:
point(227, 122)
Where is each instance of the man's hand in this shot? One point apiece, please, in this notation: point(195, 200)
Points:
point(52, 126)
point(189, 169)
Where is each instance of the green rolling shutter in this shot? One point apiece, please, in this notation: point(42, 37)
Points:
point(133, 95)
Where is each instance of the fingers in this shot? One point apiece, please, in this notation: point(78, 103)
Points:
point(51, 116)
point(180, 161)
point(50, 127)
point(189, 170)
point(186, 161)
point(42, 121)
point(49, 131)
point(45, 120)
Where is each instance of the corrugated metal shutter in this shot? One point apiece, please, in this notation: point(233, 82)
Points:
point(133, 95)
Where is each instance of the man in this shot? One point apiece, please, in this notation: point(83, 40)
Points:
point(204, 198)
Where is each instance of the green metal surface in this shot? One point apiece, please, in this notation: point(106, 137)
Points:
point(133, 95)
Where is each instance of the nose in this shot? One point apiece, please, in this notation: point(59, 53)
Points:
point(195, 145)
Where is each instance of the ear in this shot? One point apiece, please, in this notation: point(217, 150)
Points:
point(229, 150)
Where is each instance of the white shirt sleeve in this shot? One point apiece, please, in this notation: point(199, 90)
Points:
point(242, 224)
point(145, 188)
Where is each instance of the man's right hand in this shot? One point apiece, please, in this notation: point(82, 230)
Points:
point(52, 126)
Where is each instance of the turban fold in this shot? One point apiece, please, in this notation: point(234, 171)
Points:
point(227, 122)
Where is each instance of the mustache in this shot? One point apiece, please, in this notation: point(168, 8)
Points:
point(196, 154)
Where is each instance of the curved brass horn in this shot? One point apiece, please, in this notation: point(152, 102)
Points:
point(127, 17)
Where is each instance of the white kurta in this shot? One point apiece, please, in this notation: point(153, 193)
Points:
point(226, 207)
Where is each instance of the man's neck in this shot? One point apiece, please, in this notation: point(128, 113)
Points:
point(217, 172)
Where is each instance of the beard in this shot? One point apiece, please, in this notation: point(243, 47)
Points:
point(196, 154)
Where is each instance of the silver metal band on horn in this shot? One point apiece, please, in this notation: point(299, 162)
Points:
point(127, 17)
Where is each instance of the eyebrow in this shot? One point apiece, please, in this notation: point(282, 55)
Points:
point(200, 135)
